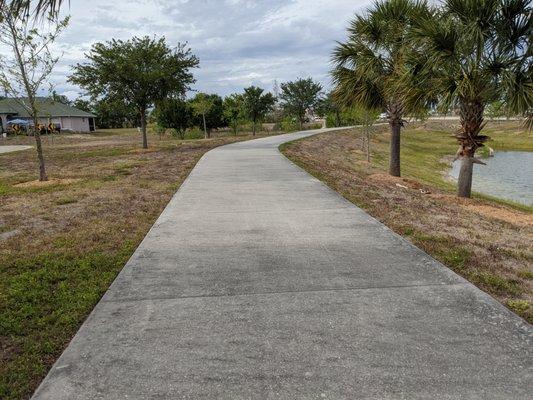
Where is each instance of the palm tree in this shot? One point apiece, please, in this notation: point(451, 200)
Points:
point(40, 7)
point(369, 63)
point(475, 52)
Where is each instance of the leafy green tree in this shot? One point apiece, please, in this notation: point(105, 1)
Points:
point(174, 113)
point(233, 110)
point(257, 104)
point(142, 71)
point(202, 105)
point(328, 107)
point(60, 98)
point(28, 64)
point(370, 63)
point(115, 113)
point(83, 104)
point(215, 117)
point(475, 52)
point(299, 97)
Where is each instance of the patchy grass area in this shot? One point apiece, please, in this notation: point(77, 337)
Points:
point(63, 242)
point(486, 241)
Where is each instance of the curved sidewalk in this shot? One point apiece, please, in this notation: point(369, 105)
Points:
point(259, 282)
point(4, 149)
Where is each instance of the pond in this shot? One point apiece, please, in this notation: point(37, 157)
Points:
point(508, 175)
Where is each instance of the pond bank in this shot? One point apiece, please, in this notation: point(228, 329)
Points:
point(486, 241)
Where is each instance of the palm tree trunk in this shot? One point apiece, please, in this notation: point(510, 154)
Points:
point(464, 184)
point(143, 128)
point(205, 126)
point(471, 113)
point(395, 111)
point(394, 163)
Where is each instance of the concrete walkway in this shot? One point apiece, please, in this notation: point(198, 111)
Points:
point(12, 148)
point(259, 282)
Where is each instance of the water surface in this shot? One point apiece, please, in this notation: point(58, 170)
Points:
point(508, 175)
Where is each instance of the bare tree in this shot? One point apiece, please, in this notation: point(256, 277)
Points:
point(28, 66)
point(368, 117)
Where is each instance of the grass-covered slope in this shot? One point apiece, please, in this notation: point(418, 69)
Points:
point(487, 241)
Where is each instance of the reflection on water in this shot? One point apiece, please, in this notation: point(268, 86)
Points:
point(508, 175)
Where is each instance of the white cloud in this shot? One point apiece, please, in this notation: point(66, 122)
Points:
point(239, 42)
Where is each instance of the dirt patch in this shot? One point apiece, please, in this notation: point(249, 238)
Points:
point(511, 216)
point(397, 181)
point(488, 210)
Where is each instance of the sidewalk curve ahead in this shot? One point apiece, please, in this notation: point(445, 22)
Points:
point(259, 282)
point(12, 148)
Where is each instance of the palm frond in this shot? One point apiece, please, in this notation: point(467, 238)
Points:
point(37, 8)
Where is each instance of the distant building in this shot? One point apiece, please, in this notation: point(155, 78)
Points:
point(66, 117)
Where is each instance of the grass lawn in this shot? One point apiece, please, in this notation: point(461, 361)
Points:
point(487, 241)
point(63, 243)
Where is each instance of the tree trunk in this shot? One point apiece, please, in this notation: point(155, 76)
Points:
point(253, 129)
point(367, 144)
point(30, 94)
point(471, 113)
point(394, 164)
point(205, 126)
point(39, 147)
point(464, 184)
point(395, 113)
point(143, 128)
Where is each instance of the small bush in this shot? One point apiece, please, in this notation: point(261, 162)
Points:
point(194, 133)
point(496, 283)
point(519, 306)
point(289, 124)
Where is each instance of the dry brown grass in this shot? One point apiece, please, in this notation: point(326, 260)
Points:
point(486, 242)
point(62, 242)
point(98, 185)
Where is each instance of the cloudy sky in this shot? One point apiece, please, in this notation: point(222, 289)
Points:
point(239, 42)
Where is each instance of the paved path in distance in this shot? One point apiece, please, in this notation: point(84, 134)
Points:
point(12, 148)
point(259, 282)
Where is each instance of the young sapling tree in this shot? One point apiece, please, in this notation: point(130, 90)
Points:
point(25, 69)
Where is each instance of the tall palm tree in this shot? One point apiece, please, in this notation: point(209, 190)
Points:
point(475, 52)
point(370, 62)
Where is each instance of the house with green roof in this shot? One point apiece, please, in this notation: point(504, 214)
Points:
point(66, 117)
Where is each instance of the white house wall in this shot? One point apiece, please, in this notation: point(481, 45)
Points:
point(76, 124)
point(80, 124)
